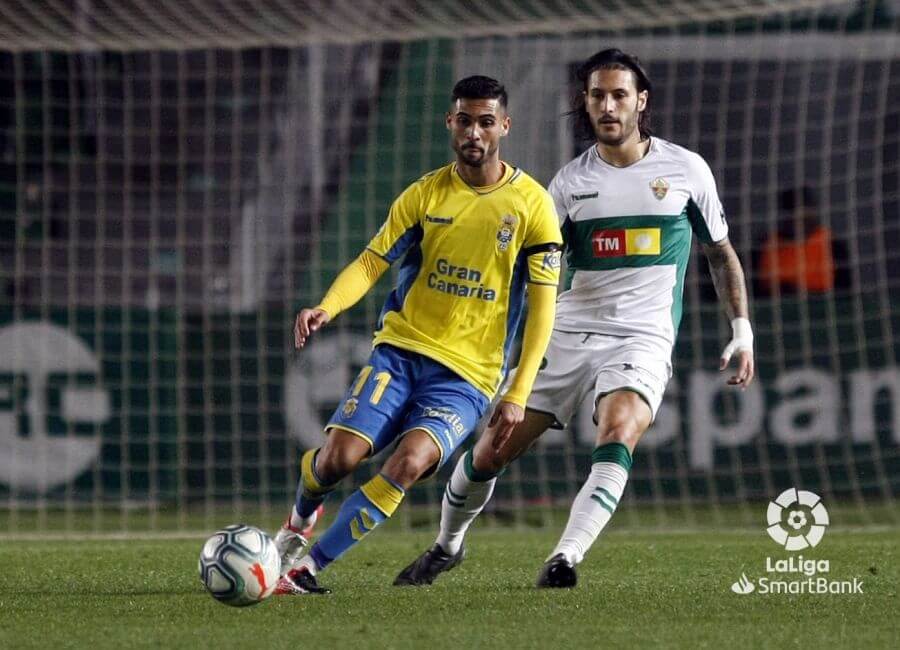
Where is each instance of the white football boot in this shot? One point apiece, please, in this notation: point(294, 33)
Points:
point(292, 542)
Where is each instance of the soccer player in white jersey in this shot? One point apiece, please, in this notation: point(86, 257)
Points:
point(628, 206)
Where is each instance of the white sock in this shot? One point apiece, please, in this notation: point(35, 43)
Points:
point(596, 502)
point(299, 523)
point(465, 496)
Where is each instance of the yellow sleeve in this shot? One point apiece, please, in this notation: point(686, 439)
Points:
point(352, 283)
point(543, 241)
point(396, 235)
point(403, 225)
point(538, 327)
point(543, 222)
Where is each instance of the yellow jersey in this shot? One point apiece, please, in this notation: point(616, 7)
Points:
point(469, 252)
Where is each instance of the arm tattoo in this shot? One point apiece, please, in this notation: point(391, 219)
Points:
point(728, 278)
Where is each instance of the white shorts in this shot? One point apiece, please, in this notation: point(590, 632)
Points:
point(577, 362)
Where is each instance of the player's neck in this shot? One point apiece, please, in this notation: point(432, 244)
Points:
point(488, 174)
point(624, 154)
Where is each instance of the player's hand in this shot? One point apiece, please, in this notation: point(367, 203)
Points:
point(741, 345)
point(307, 322)
point(504, 420)
point(745, 371)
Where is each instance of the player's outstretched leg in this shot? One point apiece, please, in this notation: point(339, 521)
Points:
point(623, 417)
point(294, 535)
point(467, 493)
point(297, 529)
point(320, 471)
point(368, 507)
point(365, 509)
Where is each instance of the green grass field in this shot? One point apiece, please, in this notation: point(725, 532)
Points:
point(637, 589)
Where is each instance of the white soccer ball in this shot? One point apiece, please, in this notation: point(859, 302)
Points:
point(239, 565)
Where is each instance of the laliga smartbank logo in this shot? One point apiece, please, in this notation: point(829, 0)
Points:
point(797, 520)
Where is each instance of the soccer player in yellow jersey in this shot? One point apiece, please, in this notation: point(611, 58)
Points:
point(472, 236)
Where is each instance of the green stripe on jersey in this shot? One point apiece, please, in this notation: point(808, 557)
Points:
point(675, 245)
point(697, 222)
point(678, 291)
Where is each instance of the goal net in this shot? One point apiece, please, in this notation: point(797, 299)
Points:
point(179, 177)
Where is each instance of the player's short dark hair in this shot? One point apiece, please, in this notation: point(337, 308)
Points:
point(609, 59)
point(479, 87)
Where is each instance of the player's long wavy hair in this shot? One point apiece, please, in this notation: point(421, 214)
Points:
point(612, 59)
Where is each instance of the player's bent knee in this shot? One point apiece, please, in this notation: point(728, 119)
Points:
point(413, 458)
point(408, 467)
point(340, 455)
point(334, 466)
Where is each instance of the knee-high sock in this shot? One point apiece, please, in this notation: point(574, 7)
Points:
point(465, 496)
point(311, 492)
point(363, 510)
point(596, 501)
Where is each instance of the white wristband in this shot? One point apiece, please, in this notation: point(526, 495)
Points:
point(741, 338)
point(740, 329)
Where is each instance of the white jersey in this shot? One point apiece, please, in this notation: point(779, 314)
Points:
point(628, 240)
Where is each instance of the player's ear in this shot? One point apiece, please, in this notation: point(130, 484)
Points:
point(449, 121)
point(504, 125)
point(642, 100)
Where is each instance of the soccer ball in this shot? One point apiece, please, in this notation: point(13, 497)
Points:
point(239, 565)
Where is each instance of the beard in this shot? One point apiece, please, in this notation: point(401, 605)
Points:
point(462, 155)
point(614, 140)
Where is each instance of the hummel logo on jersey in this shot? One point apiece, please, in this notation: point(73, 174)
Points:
point(584, 197)
point(444, 221)
point(628, 241)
